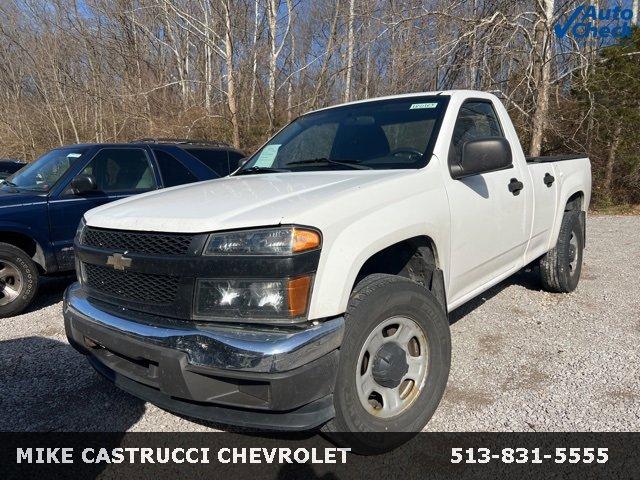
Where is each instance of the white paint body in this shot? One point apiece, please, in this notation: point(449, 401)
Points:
point(482, 233)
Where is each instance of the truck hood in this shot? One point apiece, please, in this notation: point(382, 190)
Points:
point(241, 202)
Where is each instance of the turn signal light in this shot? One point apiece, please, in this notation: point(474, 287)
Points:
point(304, 240)
point(298, 295)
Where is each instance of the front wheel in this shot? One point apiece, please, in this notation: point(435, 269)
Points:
point(18, 280)
point(394, 363)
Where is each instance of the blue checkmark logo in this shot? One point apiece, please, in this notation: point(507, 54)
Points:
point(562, 29)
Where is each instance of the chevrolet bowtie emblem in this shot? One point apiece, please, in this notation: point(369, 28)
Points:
point(118, 261)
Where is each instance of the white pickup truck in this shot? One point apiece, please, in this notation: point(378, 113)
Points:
point(311, 287)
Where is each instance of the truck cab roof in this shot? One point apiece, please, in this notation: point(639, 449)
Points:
point(150, 142)
point(461, 93)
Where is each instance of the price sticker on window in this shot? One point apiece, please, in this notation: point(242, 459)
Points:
point(419, 106)
point(267, 156)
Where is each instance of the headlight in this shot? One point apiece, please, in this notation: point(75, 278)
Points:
point(268, 241)
point(248, 298)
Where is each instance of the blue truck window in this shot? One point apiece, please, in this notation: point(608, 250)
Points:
point(216, 160)
point(44, 173)
point(172, 170)
point(121, 170)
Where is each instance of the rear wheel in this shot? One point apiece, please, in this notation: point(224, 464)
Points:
point(394, 363)
point(560, 267)
point(18, 280)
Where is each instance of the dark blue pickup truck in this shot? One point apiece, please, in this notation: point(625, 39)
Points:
point(42, 204)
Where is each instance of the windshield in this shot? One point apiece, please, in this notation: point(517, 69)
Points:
point(385, 134)
point(43, 174)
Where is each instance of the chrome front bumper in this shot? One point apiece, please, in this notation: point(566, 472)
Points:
point(266, 378)
point(247, 349)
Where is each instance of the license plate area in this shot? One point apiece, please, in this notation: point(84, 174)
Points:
point(140, 369)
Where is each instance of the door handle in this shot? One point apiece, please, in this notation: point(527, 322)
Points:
point(549, 179)
point(515, 186)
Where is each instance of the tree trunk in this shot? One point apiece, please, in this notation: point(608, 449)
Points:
point(475, 56)
point(367, 61)
point(292, 66)
point(208, 70)
point(544, 45)
point(254, 69)
point(273, 9)
point(327, 56)
point(611, 161)
point(232, 101)
point(350, 45)
point(180, 54)
point(273, 59)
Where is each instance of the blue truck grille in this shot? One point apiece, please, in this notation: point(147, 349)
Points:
point(149, 243)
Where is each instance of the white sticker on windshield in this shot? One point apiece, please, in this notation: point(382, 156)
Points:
point(74, 155)
point(417, 106)
point(267, 156)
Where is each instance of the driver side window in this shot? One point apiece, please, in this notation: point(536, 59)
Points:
point(476, 120)
point(121, 170)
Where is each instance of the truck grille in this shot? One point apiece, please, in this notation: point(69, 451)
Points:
point(137, 287)
point(138, 242)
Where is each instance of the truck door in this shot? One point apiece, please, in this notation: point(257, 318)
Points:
point(489, 220)
point(118, 173)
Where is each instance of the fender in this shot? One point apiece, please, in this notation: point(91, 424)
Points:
point(571, 183)
point(351, 241)
point(43, 255)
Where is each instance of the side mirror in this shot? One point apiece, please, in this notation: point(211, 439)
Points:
point(482, 156)
point(83, 184)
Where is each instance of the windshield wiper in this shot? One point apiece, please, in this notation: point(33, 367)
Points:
point(11, 184)
point(254, 170)
point(345, 163)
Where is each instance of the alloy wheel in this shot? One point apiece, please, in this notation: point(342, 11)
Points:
point(11, 282)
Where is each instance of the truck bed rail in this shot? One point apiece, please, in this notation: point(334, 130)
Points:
point(554, 158)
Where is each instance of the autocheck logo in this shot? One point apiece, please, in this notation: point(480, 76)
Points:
point(589, 21)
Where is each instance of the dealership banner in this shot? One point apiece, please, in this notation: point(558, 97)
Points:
point(238, 455)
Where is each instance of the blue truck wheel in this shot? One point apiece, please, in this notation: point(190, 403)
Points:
point(19, 280)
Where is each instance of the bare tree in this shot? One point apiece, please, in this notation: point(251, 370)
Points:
point(254, 69)
point(544, 45)
point(273, 10)
point(113, 70)
point(350, 47)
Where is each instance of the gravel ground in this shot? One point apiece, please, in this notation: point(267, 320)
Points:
point(523, 359)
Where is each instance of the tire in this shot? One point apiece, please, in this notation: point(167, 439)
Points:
point(18, 280)
point(377, 300)
point(560, 267)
